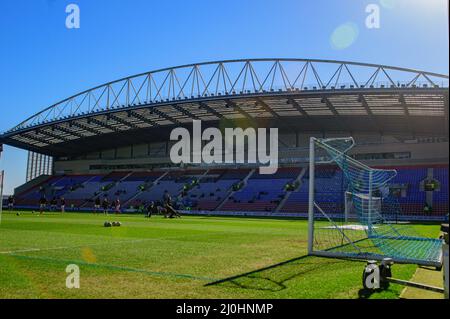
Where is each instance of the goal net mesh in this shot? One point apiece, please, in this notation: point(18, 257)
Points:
point(355, 212)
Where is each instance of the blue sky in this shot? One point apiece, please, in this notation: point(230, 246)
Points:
point(41, 61)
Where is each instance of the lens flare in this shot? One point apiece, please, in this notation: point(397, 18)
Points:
point(344, 36)
point(388, 4)
point(88, 255)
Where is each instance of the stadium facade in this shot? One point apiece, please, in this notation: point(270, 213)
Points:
point(114, 139)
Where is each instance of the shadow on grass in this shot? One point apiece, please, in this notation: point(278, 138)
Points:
point(273, 278)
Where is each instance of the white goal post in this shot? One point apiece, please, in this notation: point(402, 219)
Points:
point(340, 214)
point(2, 174)
point(350, 206)
point(316, 158)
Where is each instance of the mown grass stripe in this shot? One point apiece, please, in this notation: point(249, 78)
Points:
point(26, 250)
point(113, 267)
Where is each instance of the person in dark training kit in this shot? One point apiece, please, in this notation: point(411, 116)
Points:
point(97, 205)
point(117, 206)
point(152, 209)
point(63, 205)
point(42, 204)
point(53, 204)
point(11, 202)
point(170, 211)
point(105, 205)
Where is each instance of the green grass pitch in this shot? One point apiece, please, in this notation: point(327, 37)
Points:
point(173, 258)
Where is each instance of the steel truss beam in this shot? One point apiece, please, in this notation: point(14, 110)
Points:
point(121, 121)
point(185, 112)
point(64, 130)
point(406, 110)
point(227, 78)
point(297, 107)
point(335, 112)
point(84, 127)
point(163, 115)
point(267, 108)
point(330, 105)
point(142, 118)
point(236, 107)
point(35, 137)
point(102, 124)
point(55, 136)
point(206, 107)
point(367, 108)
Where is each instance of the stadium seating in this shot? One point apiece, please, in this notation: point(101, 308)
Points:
point(87, 190)
point(262, 192)
point(214, 188)
point(329, 191)
point(209, 190)
point(124, 186)
point(30, 197)
point(440, 197)
point(171, 183)
point(412, 202)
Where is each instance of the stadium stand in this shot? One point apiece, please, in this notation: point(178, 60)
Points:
point(173, 183)
point(30, 197)
point(86, 191)
point(329, 191)
point(121, 147)
point(412, 199)
point(262, 192)
point(207, 190)
point(214, 188)
point(440, 197)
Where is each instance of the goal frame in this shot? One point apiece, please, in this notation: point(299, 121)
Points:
point(311, 195)
point(370, 223)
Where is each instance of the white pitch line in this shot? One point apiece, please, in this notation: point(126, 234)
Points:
point(19, 251)
point(78, 246)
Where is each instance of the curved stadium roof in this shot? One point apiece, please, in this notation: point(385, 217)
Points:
point(305, 94)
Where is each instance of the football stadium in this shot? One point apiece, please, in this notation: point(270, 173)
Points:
point(361, 174)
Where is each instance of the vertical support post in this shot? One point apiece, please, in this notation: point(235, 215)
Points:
point(28, 174)
point(107, 99)
point(346, 206)
point(446, 265)
point(128, 93)
point(2, 175)
point(311, 196)
point(369, 222)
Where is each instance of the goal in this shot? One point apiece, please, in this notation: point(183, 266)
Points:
point(350, 208)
